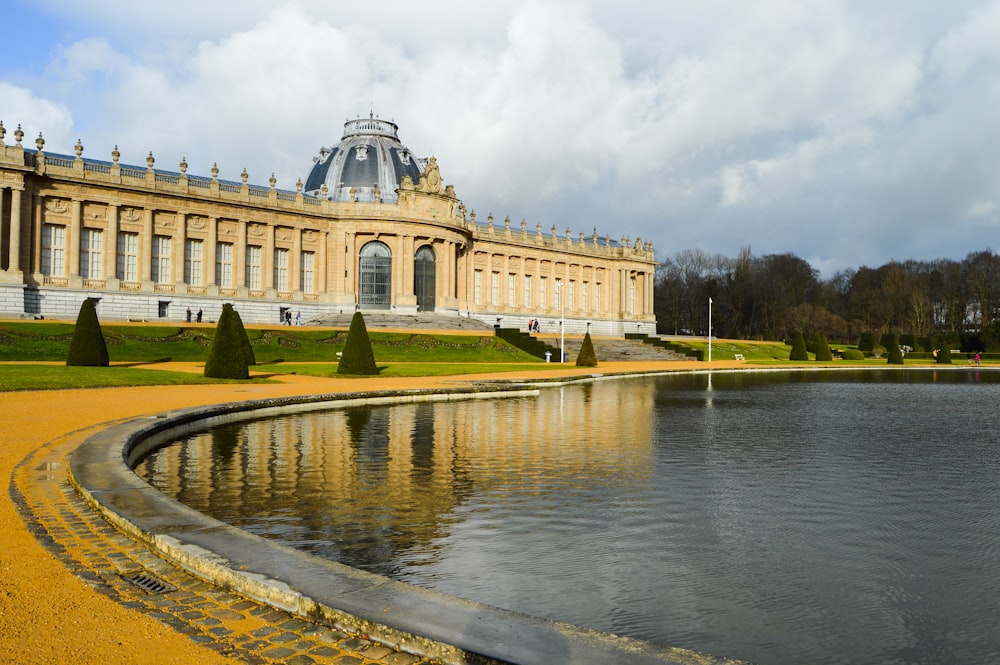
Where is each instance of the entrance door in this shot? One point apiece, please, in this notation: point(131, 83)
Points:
point(375, 273)
point(424, 277)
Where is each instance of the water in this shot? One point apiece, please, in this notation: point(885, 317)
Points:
point(837, 517)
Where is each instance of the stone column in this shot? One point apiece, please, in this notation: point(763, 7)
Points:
point(146, 248)
point(267, 259)
point(351, 264)
point(240, 255)
point(73, 238)
point(321, 266)
point(211, 245)
point(295, 263)
point(111, 244)
point(14, 260)
point(178, 251)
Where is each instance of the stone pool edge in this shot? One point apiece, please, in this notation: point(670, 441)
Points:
point(400, 615)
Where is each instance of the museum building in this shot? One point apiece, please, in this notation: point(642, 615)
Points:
point(372, 227)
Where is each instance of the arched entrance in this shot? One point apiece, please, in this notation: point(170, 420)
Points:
point(424, 278)
point(375, 274)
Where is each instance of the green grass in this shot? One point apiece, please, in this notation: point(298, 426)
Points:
point(45, 341)
point(60, 377)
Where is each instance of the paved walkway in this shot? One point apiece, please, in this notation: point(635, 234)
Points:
point(72, 589)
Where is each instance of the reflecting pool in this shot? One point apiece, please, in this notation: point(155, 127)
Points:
point(780, 517)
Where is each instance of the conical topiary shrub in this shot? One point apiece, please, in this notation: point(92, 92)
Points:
point(799, 352)
point(248, 353)
point(823, 353)
point(358, 357)
point(586, 357)
point(866, 342)
point(226, 357)
point(87, 348)
point(944, 355)
point(895, 353)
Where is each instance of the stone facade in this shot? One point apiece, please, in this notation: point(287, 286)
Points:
point(151, 244)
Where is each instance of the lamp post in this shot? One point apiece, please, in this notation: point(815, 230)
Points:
point(562, 322)
point(709, 330)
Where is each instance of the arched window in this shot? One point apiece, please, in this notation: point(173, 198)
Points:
point(375, 274)
point(424, 278)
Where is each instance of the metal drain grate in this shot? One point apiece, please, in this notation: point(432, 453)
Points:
point(149, 584)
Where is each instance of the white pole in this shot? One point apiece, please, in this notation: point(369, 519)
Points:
point(709, 330)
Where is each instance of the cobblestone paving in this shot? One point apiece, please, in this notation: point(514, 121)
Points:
point(126, 571)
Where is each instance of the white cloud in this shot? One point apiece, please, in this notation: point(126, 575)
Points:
point(35, 115)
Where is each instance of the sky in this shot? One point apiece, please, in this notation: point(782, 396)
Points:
point(847, 133)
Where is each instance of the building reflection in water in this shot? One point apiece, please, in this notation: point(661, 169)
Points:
point(369, 485)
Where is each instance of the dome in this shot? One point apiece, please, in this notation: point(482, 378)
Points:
point(369, 156)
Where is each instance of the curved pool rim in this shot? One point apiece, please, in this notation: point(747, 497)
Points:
point(400, 615)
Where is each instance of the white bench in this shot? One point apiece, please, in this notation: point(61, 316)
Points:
point(739, 356)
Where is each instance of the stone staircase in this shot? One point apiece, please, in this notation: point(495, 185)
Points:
point(618, 350)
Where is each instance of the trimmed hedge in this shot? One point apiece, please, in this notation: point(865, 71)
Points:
point(226, 357)
point(87, 348)
point(586, 357)
point(798, 351)
point(895, 353)
point(358, 357)
point(866, 343)
point(823, 353)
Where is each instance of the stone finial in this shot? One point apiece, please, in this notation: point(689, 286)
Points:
point(298, 185)
point(3, 132)
point(377, 193)
point(272, 180)
point(538, 229)
point(506, 222)
point(40, 142)
point(581, 237)
point(569, 233)
point(18, 135)
point(78, 148)
point(115, 155)
point(244, 176)
point(184, 166)
point(215, 171)
point(489, 220)
point(554, 231)
point(324, 191)
point(524, 225)
point(150, 160)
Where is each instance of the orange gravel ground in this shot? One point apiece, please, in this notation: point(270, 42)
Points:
point(47, 614)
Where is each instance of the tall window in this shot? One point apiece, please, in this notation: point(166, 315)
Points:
point(161, 259)
point(281, 269)
point(91, 266)
point(571, 296)
point(307, 278)
point(192, 262)
point(511, 291)
point(597, 297)
point(253, 268)
point(127, 263)
point(559, 294)
point(542, 286)
point(477, 285)
point(53, 250)
point(583, 296)
point(495, 289)
point(527, 290)
point(224, 265)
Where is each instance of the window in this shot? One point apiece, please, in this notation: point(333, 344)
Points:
point(91, 266)
point(583, 296)
point(478, 287)
point(597, 297)
point(542, 286)
point(161, 259)
point(511, 291)
point(281, 269)
point(495, 289)
point(127, 263)
point(307, 278)
point(571, 296)
point(224, 265)
point(53, 250)
point(527, 290)
point(192, 262)
point(559, 294)
point(253, 268)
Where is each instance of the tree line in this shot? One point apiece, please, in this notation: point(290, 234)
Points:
point(777, 295)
